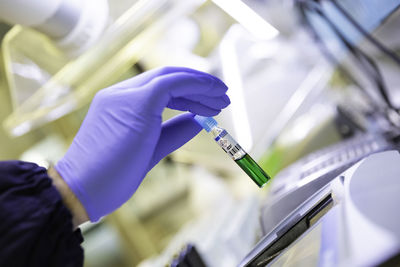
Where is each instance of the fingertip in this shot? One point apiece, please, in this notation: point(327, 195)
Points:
point(226, 99)
point(218, 88)
point(217, 103)
point(220, 83)
point(207, 112)
point(217, 82)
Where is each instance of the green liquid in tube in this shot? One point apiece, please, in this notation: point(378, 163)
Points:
point(253, 170)
point(234, 150)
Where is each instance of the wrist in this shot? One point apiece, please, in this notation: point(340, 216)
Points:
point(78, 212)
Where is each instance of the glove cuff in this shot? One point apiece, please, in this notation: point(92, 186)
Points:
point(66, 172)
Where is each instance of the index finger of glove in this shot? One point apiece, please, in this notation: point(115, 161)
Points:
point(182, 84)
point(148, 76)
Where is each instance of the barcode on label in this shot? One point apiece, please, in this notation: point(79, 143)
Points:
point(234, 150)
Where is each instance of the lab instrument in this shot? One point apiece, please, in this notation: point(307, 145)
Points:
point(234, 150)
point(72, 25)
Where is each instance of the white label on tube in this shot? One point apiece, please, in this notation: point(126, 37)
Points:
point(230, 146)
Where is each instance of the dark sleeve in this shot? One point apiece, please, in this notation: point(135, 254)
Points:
point(35, 227)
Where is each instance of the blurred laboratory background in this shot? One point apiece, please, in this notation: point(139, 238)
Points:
point(315, 91)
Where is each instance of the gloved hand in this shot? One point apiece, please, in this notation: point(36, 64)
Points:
point(123, 137)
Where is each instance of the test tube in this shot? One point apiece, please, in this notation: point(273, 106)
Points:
point(234, 150)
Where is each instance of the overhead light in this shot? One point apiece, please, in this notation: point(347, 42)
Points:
point(249, 19)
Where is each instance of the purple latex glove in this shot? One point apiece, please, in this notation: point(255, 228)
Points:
point(123, 137)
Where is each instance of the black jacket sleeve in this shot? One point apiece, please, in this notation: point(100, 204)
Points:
point(35, 227)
